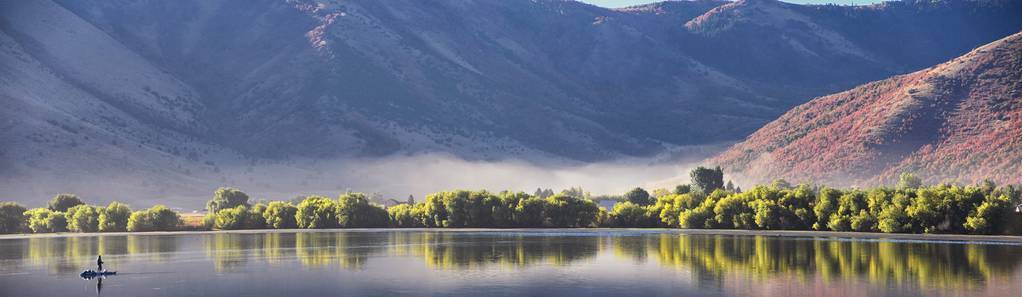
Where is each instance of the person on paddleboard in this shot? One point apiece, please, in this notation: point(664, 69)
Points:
point(99, 262)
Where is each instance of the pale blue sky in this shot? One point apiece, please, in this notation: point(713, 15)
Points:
point(623, 3)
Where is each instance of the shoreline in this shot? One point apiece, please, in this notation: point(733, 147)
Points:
point(827, 235)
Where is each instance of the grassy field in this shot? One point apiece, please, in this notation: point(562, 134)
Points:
point(192, 221)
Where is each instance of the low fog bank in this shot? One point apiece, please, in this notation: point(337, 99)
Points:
point(394, 177)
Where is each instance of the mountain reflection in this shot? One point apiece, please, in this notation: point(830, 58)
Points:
point(707, 257)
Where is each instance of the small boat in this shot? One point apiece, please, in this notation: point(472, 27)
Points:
point(89, 273)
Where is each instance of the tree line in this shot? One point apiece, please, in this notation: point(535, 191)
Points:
point(68, 213)
point(706, 203)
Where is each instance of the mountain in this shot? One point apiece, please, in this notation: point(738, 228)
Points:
point(960, 121)
point(173, 93)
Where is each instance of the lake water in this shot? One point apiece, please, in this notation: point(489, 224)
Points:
point(559, 263)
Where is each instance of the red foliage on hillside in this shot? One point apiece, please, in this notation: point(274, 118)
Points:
point(960, 121)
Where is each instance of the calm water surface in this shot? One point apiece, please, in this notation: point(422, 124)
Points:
point(504, 263)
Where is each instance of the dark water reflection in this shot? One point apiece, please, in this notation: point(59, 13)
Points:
point(505, 263)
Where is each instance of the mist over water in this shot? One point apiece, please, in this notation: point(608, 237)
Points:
point(394, 177)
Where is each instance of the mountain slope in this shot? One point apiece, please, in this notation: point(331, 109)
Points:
point(497, 79)
point(795, 52)
point(960, 120)
point(175, 92)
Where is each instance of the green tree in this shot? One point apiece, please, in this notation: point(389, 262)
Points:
point(114, 218)
point(453, 208)
point(82, 218)
point(734, 212)
point(256, 220)
point(707, 180)
point(893, 218)
point(927, 209)
point(12, 218)
point(863, 222)
point(406, 216)
point(701, 216)
point(667, 208)
point(225, 198)
point(543, 193)
point(156, 218)
point(237, 218)
point(990, 217)
point(797, 204)
point(781, 184)
point(44, 220)
point(316, 212)
point(630, 215)
point(479, 209)
point(639, 196)
point(530, 212)
point(851, 205)
point(504, 208)
point(682, 189)
point(909, 181)
point(280, 215)
point(355, 211)
point(570, 212)
point(767, 214)
point(63, 202)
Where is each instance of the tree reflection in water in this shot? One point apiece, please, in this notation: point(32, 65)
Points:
point(882, 263)
point(74, 253)
point(449, 250)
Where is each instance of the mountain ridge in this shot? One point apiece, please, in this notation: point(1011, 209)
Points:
point(177, 91)
point(956, 121)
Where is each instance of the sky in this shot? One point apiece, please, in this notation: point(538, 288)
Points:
point(623, 3)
